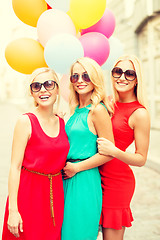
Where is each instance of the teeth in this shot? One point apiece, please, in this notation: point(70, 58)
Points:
point(123, 84)
point(44, 97)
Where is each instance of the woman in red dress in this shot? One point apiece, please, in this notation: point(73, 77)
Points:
point(130, 123)
point(34, 209)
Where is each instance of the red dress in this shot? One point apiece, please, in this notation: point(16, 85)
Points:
point(118, 182)
point(47, 155)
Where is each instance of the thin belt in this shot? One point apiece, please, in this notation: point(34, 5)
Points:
point(75, 160)
point(51, 189)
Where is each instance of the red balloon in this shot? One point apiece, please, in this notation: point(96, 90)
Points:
point(48, 7)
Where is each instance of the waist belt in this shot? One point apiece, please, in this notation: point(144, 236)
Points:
point(51, 189)
point(75, 160)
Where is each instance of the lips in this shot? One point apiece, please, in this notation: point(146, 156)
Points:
point(81, 86)
point(122, 83)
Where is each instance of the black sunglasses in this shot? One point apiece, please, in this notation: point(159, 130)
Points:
point(48, 85)
point(129, 75)
point(74, 78)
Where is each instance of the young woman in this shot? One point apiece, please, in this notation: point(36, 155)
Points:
point(82, 192)
point(35, 204)
point(130, 122)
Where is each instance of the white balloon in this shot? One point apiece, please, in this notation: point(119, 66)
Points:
point(59, 4)
point(116, 50)
point(61, 51)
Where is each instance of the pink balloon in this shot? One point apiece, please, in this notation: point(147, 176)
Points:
point(64, 87)
point(96, 46)
point(53, 22)
point(105, 25)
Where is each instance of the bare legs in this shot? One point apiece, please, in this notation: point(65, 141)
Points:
point(113, 234)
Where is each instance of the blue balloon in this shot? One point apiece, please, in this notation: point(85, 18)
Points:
point(59, 4)
point(116, 50)
point(61, 51)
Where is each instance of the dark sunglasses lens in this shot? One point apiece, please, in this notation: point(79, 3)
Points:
point(117, 72)
point(35, 87)
point(49, 85)
point(130, 75)
point(74, 78)
point(85, 77)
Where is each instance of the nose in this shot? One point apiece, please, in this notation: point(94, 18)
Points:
point(122, 77)
point(43, 89)
point(80, 79)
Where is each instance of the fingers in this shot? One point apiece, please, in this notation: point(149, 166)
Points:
point(101, 139)
point(21, 226)
point(14, 230)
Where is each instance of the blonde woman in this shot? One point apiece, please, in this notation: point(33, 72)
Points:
point(130, 123)
point(35, 204)
point(90, 119)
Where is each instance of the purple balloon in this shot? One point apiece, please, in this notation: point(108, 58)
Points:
point(105, 25)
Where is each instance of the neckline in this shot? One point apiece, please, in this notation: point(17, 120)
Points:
point(126, 102)
point(83, 108)
point(44, 131)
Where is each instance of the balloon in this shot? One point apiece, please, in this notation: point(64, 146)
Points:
point(96, 46)
point(64, 86)
point(76, 26)
point(48, 7)
point(85, 13)
point(53, 22)
point(116, 50)
point(105, 25)
point(25, 55)
point(59, 4)
point(61, 51)
point(28, 11)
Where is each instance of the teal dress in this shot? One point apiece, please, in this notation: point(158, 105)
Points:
point(82, 192)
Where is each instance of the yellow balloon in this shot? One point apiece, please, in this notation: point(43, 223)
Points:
point(76, 26)
point(86, 13)
point(25, 55)
point(29, 11)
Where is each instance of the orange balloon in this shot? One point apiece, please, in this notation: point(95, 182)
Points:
point(29, 11)
point(25, 55)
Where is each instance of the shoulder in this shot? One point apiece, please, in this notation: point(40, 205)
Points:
point(100, 108)
point(141, 113)
point(100, 113)
point(23, 122)
point(140, 117)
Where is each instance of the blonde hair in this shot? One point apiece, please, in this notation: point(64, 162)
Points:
point(139, 89)
point(37, 72)
point(97, 78)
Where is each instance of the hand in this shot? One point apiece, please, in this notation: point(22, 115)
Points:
point(15, 223)
point(69, 170)
point(106, 147)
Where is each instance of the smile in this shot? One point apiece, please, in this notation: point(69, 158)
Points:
point(44, 97)
point(81, 86)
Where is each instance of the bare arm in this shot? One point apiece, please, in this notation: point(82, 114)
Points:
point(20, 138)
point(140, 122)
point(103, 126)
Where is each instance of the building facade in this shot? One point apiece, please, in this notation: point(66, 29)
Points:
point(138, 28)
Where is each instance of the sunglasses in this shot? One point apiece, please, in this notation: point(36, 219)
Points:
point(48, 85)
point(129, 75)
point(75, 77)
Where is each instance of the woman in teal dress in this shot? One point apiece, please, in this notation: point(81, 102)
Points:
point(82, 192)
